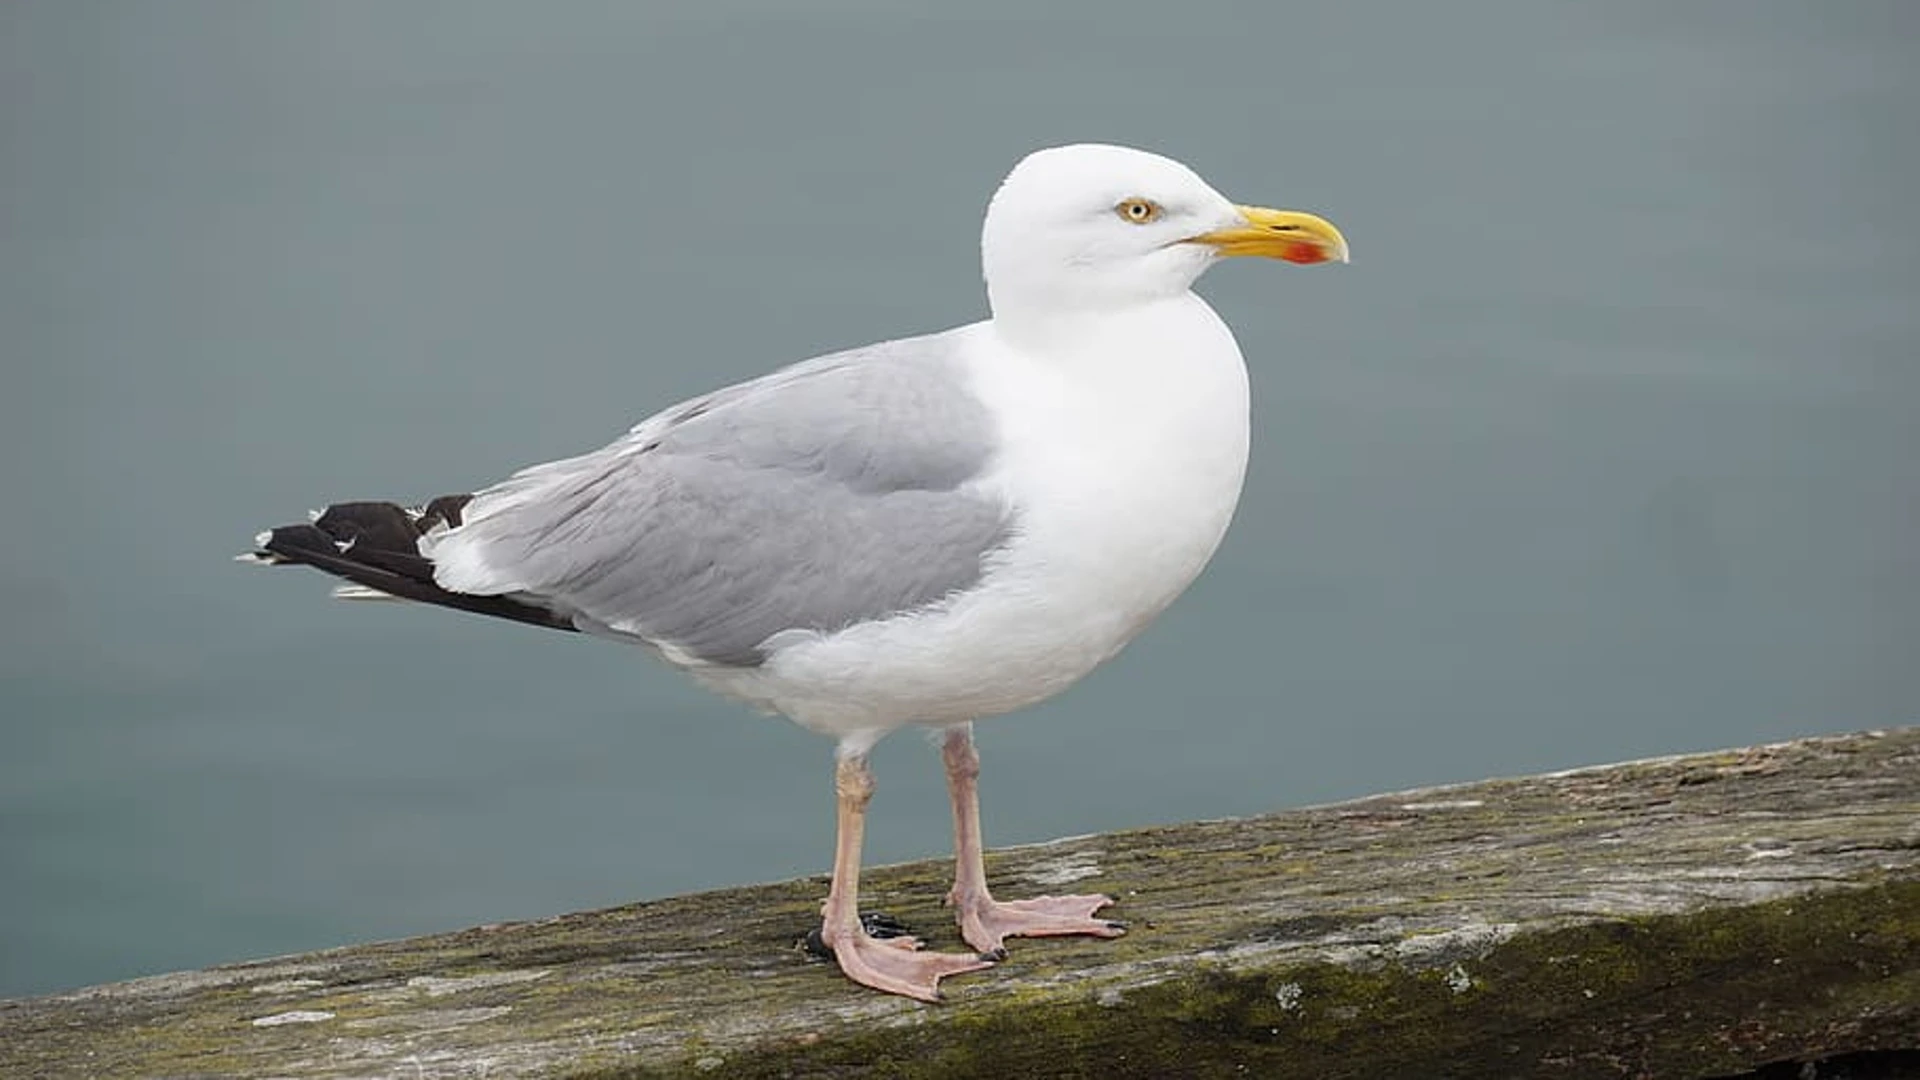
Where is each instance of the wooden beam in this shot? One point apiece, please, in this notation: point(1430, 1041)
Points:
point(1691, 916)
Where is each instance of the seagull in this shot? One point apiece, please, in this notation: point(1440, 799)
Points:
point(922, 532)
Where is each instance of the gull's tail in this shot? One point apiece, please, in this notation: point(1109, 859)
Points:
point(376, 547)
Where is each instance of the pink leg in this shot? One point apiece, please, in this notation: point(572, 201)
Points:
point(889, 964)
point(985, 922)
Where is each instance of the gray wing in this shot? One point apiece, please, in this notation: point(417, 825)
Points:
point(823, 495)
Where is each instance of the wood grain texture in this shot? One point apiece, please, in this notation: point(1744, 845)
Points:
point(1690, 916)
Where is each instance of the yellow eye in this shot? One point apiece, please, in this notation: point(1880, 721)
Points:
point(1139, 211)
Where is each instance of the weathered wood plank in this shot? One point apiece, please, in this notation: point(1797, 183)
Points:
point(1690, 916)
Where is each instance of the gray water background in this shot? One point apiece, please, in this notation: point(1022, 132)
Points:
point(1603, 447)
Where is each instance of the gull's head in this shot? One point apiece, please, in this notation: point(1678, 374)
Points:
point(1093, 227)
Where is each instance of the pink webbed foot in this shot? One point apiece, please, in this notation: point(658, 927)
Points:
point(986, 923)
point(896, 964)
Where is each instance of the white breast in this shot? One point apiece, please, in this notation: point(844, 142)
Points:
point(1123, 458)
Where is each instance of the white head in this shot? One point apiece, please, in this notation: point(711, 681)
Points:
point(1091, 227)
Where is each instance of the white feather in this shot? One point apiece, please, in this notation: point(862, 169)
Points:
point(363, 592)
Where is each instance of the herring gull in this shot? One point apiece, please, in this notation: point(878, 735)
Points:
point(920, 532)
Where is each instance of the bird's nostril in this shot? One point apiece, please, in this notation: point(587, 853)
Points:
point(1284, 228)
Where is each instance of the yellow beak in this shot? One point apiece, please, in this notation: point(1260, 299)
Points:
point(1279, 234)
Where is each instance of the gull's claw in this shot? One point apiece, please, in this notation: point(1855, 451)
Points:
point(878, 925)
point(986, 923)
point(898, 968)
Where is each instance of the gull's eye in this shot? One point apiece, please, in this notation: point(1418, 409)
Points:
point(1139, 211)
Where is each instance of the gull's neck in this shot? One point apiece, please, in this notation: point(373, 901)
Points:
point(1070, 332)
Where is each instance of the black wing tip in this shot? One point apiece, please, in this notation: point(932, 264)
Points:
point(377, 545)
point(445, 510)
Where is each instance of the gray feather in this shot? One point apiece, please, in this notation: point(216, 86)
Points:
point(820, 496)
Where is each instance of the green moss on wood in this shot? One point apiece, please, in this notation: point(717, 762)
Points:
point(1596, 999)
point(1693, 916)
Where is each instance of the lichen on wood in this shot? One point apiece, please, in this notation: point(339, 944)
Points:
point(1690, 916)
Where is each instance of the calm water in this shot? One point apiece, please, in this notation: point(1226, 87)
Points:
point(1605, 446)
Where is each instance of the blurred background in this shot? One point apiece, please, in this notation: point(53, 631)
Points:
point(1605, 446)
